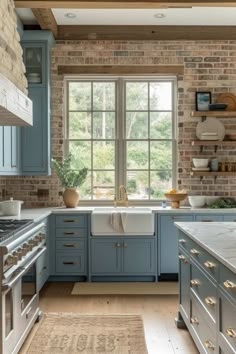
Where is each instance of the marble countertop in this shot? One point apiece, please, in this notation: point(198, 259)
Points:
point(38, 214)
point(218, 238)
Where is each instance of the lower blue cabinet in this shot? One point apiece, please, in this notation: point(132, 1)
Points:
point(122, 256)
point(184, 271)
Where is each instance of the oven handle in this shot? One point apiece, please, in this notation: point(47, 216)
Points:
point(23, 270)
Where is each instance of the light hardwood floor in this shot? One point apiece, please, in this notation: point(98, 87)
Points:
point(158, 312)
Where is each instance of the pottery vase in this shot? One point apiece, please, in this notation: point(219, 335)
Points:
point(71, 197)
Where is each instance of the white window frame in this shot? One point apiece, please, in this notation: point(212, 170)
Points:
point(120, 140)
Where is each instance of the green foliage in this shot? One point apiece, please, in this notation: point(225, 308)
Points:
point(68, 177)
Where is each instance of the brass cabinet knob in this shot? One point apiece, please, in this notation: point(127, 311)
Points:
point(231, 332)
point(118, 245)
point(209, 264)
point(125, 245)
point(229, 284)
point(210, 301)
point(182, 240)
point(194, 320)
point(209, 345)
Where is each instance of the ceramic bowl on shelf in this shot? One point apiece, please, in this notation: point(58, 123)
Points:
point(175, 198)
point(197, 201)
point(200, 163)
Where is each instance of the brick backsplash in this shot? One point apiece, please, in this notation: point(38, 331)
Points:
point(208, 66)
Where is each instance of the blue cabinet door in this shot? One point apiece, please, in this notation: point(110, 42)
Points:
point(209, 217)
point(139, 256)
point(34, 139)
point(9, 150)
point(169, 242)
point(106, 256)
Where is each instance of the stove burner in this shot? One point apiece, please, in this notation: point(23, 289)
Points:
point(9, 227)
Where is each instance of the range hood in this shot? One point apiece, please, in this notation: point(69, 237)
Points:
point(15, 106)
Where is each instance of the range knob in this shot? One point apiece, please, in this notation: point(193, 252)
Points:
point(18, 254)
point(11, 260)
point(33, 242)
point(25, 249)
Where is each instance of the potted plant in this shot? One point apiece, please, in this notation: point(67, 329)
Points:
point(70, 180)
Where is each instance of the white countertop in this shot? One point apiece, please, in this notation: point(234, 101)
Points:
point(218, 238)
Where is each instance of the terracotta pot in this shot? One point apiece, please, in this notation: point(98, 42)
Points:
point(71, 197)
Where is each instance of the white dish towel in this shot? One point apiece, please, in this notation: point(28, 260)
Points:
point(119, 221)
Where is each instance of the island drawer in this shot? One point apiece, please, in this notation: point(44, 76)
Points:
point(70, 263)
point(185, 242)
point(228, 281)
point(76, 220)
point(70, 232)
point(206, 334)
point(206, 260)
point(70, 244)
point(205, 290)
point(227, 321)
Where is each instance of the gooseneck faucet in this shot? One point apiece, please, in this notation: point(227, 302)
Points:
point(123, 197)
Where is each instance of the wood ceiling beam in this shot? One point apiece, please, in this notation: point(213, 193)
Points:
point(147, 32)
point(119, 4)
point(46, 20)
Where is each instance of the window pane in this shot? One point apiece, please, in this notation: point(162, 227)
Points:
point(103, 184)
point(160, 96)
point(137, 154)
point(85, 189)
point(137, 125)
point(104, 155)
point(81, 154)
point(80, 96)
point(104, 96)
point(137, 184)
point(161, 155)
point(160, 125)
point(136, 96)
point(161, 182)
point(104, 125)
point(79, 125)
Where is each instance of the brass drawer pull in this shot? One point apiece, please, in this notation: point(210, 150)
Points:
point(194, 251)
point(181, 257)
point(229, 285)
point(69, 263)
point(69, 233)
point(71, 220)
point(182, 240)
point(208, 264)
point(69, 245)
point(209, 345)
point(231, 332)
point(195, 282)
point(194, 320)
point(210, 301)
point(206, 220)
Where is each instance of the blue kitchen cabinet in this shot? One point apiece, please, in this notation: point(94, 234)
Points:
point(138, 256)
point(35, 140)
point(168, 242)
point(106, 256)
point(9, 150)
point(209, 217)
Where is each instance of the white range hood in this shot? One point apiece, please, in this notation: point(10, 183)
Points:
point(15, 106)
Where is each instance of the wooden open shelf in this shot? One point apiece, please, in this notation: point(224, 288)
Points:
point(215, 114)
point(212, 174)
point(213, 142)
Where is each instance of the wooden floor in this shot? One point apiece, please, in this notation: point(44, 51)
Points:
point(158, 312)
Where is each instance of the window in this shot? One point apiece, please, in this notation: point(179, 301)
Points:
point(124, 131)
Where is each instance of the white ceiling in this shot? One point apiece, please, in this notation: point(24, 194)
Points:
point(209, 16)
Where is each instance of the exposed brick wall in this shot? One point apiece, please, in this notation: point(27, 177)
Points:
point(12, 65)
point(208, 66)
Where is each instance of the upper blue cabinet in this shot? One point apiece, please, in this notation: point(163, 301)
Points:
point(35, 140)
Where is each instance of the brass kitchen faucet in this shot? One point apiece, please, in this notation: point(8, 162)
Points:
point(123, 198)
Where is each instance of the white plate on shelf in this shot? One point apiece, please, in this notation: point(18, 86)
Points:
point(201, 169)
point(211, 126)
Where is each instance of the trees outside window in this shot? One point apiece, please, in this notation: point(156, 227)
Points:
point(123, 131)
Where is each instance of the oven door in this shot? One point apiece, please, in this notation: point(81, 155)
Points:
point(20, 304)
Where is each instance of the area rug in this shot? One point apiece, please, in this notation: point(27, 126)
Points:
point(70, 333)
point(132, 288)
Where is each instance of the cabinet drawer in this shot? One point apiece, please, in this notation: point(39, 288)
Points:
point(185, 242)
point(205, 290)
point(205, 333)
point(76, 220)
point(228, 281)
point(230, 217)
point(207, 261)
point(228, 321)
point(69, 263)
point(70, 232)
point(209, 217)
point(70, 244)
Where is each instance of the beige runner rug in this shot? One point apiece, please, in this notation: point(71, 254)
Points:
point(70, 333)
point(126, 288)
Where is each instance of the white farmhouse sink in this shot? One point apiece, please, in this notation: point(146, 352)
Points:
point(122, 221)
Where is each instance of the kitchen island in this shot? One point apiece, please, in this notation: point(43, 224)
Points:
point(207, 296)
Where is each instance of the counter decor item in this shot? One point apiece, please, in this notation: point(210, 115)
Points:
point(210, 127)
point(196, 201)
point(175, 198)
point(218, 106)
point(223, 203)
point(214, 165)
point(70, 180)
point(229, 99)
point(11, 207)
point(200, 163)
point(203, 99)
